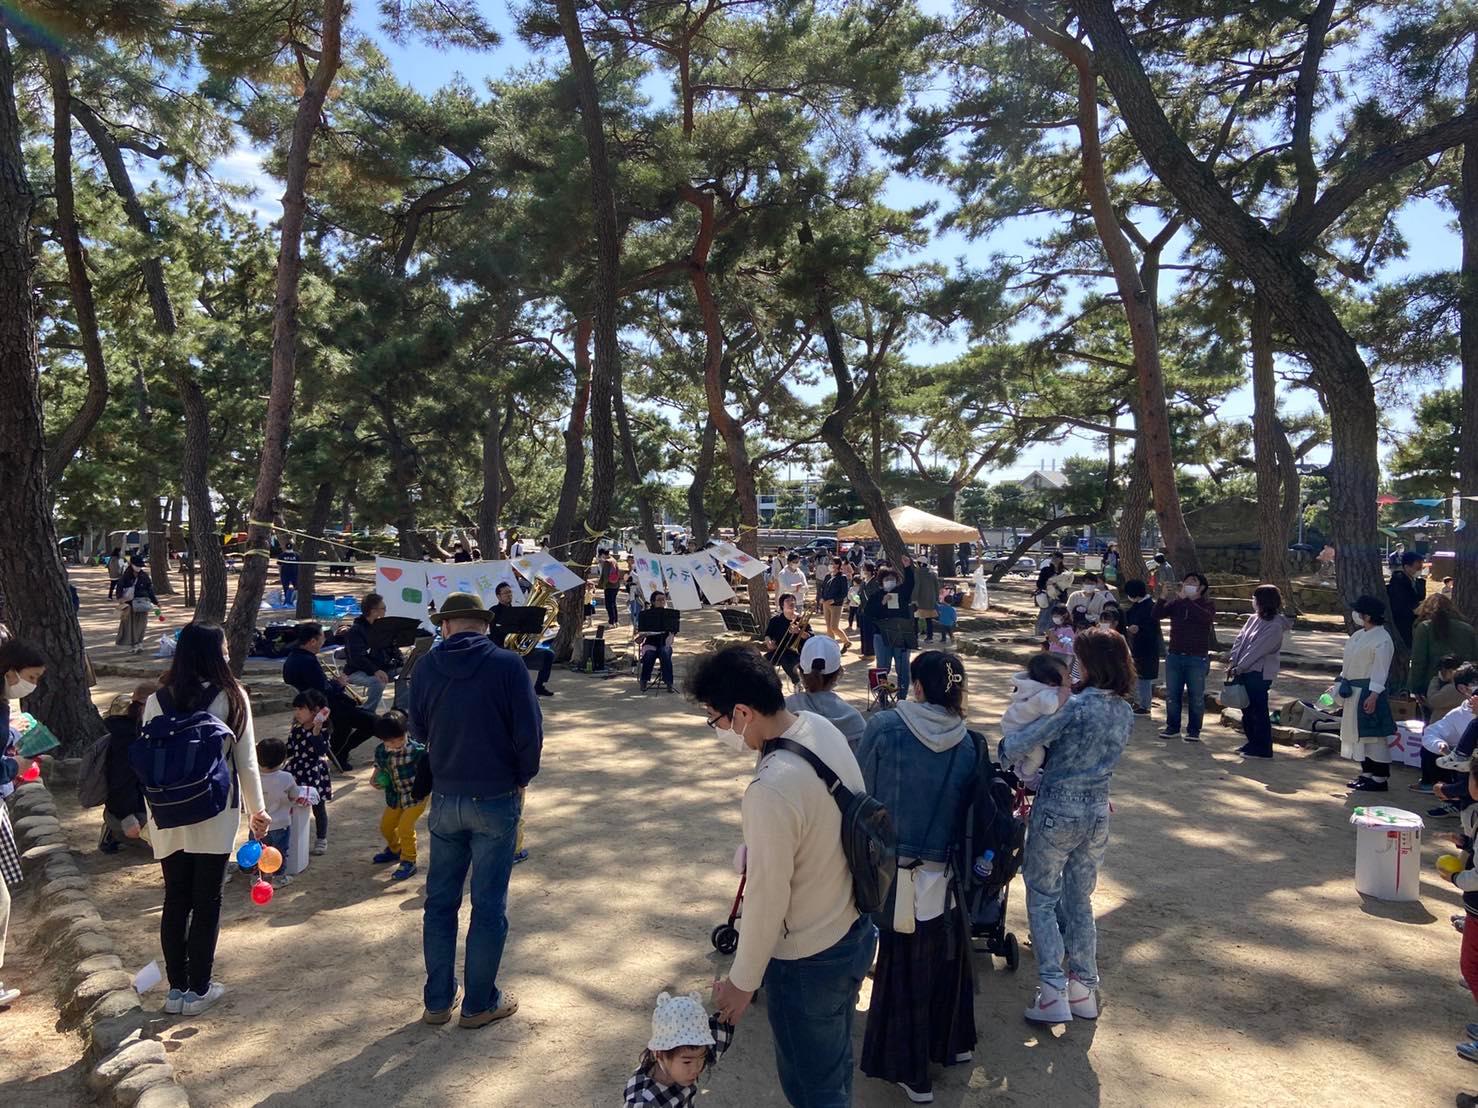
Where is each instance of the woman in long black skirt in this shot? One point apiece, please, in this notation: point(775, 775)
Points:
point(919, 760)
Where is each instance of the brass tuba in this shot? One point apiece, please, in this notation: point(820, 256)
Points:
point(540, 596)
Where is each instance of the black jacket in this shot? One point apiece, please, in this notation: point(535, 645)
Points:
point(1404, 595)
point(361, 657)
point(1148, 645)
point(125, 797)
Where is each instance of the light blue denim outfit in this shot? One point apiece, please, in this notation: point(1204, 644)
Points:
point(1068, 830)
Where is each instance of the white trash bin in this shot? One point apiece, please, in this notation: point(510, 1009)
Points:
point(297, 846)
point(1388, 853)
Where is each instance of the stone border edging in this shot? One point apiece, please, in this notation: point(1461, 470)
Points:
point(129, 1066)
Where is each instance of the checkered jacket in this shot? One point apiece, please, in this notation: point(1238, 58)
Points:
point(10, 859)
point(644, 1090)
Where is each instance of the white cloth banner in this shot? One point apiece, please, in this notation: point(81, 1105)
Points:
point(541, 566)
point(710, 578)
point(682, 589)
point(403, 585)
point(648, 572)
point(483, 578)
point(741, 563)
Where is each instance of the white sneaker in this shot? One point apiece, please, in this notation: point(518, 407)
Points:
point(8, 996)
point(174, 1003)
point(1050, 1006)
point(319, 848)
point(917, 1096)
point(195, 1004)
point(1082, 1000)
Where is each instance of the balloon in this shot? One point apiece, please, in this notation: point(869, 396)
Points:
point(249, 852)
point(1450, 864)
point(271, 860)
point(261, 892)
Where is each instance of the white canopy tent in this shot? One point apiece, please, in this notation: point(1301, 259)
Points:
point(914, 526)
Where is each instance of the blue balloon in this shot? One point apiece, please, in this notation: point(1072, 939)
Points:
point(249, 854)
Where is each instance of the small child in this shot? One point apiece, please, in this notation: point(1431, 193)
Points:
point(685, 1040)
point(1060, 638)
point(1466, 880)
point(396, 759)
point(308, 745)
point(279, 793)
point(1038, 692)
point(948, 620)
point(1442, 693)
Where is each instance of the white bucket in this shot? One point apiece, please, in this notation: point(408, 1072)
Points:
point(297, 846)
point(1388, 852)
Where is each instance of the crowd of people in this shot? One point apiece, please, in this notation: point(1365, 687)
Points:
point(461, 738)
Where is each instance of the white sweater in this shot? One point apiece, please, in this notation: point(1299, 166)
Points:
point(216, 835)
point(1030, 700)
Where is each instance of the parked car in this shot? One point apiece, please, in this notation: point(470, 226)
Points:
point(1023, 565)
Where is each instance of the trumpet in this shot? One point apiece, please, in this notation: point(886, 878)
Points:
point(540, 596)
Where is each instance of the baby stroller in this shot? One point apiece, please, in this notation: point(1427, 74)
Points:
point(882, 693)
point(996, 823)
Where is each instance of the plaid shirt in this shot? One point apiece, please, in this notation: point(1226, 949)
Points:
point(643, 1089)
point(400, 768)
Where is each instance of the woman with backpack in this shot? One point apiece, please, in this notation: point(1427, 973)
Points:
point(193, 831)
point(921, 763)
point(1068, 830)
point(136, 594)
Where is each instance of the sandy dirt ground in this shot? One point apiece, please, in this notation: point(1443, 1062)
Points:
point(1240, 966)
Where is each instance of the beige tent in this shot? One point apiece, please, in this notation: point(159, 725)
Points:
point(914, 526)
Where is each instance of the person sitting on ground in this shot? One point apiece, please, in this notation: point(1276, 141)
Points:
point(785, 634)
point(1442, 691)
point(397, 758)
point(1439, 630)
point(685, 1041)
point(302, 670)
point(1038, 691)
point(123, 810)
point(1450, 740)
point(540, 654)
point(370, 667)
point(656, 647)
point(821, 669)
point(279, 793)
point(309, 743)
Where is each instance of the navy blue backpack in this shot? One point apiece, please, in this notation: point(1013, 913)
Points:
point(180, 763)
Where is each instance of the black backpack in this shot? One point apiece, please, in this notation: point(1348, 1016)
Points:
point(868, 837)
point(990, 823)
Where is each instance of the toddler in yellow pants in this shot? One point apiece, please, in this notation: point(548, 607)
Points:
point(396, 759)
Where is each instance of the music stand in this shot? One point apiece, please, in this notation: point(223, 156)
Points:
point(516, 621)
point(659, 621)
point(397, 631)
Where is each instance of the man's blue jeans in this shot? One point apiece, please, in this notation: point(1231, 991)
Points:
point(886, 655)
point(1189, 671)
point(1066, 840)
point(477, 833)
point(810, 1003)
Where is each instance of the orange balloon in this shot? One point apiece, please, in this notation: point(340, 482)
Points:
point(271, 860)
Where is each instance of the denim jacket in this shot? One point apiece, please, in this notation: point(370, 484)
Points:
point(914, 783)
point(1088, 736)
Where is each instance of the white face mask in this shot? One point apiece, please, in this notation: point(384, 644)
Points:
point(1190, 591)
point(732, 739)
point(1358, 618)
point(889, 584)
point(1058, 620)
point(19, 688)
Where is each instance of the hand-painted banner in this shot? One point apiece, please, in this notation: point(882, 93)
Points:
point(403, 585)
point(648, 572)
point(483, 579)
point(734, 558)
point(541, 566)
point(710, 578)
point(682, 588)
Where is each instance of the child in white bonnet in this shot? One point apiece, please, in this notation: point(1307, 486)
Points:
point(685, 1041)
point(1038, 692)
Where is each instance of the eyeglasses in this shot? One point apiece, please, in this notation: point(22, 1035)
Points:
point(714, 721)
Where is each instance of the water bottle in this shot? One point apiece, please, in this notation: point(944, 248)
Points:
point(1326, 701)
point(985, 864)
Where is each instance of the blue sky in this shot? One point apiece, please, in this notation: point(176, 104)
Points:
point(1430, 231)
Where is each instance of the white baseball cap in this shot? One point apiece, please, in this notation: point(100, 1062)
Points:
point(822, 648)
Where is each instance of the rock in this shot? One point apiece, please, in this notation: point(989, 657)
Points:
point(163, 1096)
point(58, 897)
point(25, 823)
point(140, 1052)
point(86, 943)
point(46, 838)
point(45, 850)
point(137, 1081)
point(29, 788)
point(95, 964)
point(91, 989)
point(111, 1005)
point(63, 915)
point(107, 1035)
point(62, 884)
point(35, 804)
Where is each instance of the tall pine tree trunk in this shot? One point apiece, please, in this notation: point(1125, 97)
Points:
point(33, 580)
point(1272, 533)
point(634, 475)
point(490, 514)
point(572, 603)
point(314, 550)
point(944, 553)
point(1465, 542)
point(698, 522)
point(1130, 532)
point(253, 581)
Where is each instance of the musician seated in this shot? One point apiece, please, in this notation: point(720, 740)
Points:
point(303, 671)
point(656, 648)
point(540, 654)
point(784, 636)
point(368, 666)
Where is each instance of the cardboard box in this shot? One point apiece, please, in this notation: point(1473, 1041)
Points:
point(1403, 709)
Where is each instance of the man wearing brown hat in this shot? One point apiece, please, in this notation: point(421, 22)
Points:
point(473, 704)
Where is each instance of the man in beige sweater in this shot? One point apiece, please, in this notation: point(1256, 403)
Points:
point(801, 933)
